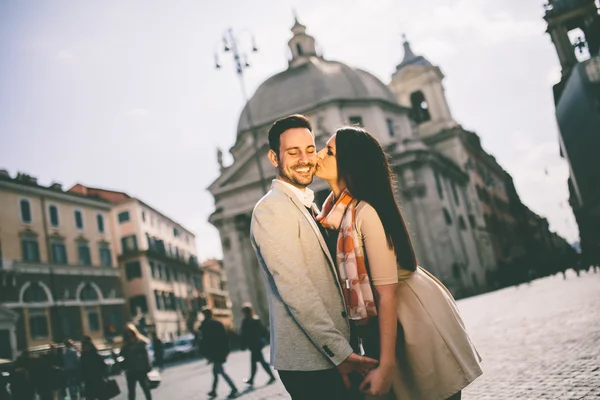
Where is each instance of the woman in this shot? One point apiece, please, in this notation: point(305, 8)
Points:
point(399, 312)
point(136, 362)
point(93, 370)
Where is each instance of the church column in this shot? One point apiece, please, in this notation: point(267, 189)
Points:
point(234, 265)
point(254, 282)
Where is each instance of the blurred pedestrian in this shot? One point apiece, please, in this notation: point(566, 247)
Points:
point(47, 374)
point(214, 343)
point(93, 370)
point(136, 361)
point(71, 362)
point(159, 351)
point(21, 385)
point(254, 338)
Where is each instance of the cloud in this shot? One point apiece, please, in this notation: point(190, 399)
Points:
point(476, 19)
point(64, 55)
point(554, 75)
point(138, 112)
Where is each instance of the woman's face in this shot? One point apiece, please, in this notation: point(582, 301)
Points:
point(327, 162)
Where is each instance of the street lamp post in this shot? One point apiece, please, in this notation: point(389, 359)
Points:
point(230, 44)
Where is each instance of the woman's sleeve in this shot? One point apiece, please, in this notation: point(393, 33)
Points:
point(381, 259)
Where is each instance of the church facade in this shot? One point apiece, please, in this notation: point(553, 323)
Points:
point(443, 175)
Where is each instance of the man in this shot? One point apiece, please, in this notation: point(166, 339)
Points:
point(71, 362)
point(159, 352)
point(310, 332)
point(214, 343)
point(253, 337)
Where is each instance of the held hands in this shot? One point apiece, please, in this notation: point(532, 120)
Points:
point(377, 382)
point(356, 363)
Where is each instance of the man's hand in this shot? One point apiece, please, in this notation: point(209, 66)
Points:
point(356, 363)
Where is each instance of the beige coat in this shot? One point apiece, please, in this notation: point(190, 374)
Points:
point(436, 358)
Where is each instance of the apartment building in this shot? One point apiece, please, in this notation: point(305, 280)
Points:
point(162, 279)
point(58, 270)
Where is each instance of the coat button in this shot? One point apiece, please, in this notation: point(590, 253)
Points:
point(344, 314)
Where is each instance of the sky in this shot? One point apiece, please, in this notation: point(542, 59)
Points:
point(124, 95)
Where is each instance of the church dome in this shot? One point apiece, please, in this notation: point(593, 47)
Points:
point(309, 81)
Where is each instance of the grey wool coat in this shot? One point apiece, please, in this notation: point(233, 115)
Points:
point(309, 326)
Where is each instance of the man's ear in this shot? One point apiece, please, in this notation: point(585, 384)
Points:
point(273, 158)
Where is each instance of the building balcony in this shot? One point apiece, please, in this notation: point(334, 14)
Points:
point(29, 267)
point(160, 254)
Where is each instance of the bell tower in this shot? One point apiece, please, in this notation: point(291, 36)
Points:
point(302, 45)
point(417, 84)
point(564, 16)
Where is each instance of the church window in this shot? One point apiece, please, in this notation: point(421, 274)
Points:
point(420, 108)
point(355, 120)
point(299, 49)
point(390, 126)
point(472, 221)
point(447, 217)
point(461, 223)
point(438, 185)
point(455, 193)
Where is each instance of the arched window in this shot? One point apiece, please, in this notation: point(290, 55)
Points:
point(88, 293)
point(35, 293)
point(420, 108)
point(447, 217)
point(299, 49)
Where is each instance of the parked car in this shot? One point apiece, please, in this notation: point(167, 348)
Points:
point(185, 347)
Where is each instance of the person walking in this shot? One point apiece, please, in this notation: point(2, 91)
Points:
point(72, 368)
point(214, 343)
point(159, 352)
point(253, 336)
point(136, 361)
point(93, 370)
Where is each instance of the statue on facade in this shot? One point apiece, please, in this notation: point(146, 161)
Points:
point(220, 158)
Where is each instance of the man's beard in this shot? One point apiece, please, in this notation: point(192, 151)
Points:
point(295, 180)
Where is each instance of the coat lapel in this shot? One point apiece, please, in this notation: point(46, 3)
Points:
point(278, 186)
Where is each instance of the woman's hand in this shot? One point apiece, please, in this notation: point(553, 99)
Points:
point(377, 382)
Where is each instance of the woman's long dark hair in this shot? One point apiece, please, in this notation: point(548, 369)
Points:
point(364, 166)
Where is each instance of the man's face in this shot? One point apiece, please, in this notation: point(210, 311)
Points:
point(297, 157)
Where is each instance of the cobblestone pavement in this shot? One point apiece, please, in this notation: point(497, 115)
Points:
point(538, 341)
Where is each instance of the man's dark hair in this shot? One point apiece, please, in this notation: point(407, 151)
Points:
point(282, 125)
point(207, 311)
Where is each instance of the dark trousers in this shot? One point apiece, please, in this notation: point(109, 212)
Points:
point(315, 385)
point(218, 370)
point(134, 377)
point(256, 356)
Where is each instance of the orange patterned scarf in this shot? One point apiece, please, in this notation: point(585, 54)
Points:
point(340, 215)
